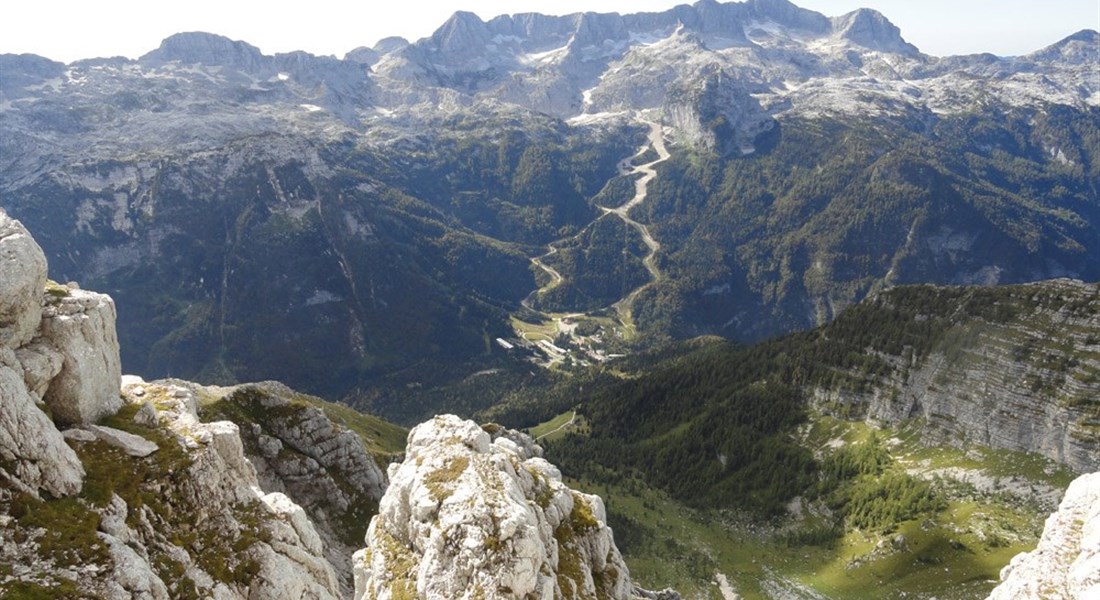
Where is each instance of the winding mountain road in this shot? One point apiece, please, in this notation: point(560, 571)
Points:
point(641, 190)
point(647, 171)
point(555, 277)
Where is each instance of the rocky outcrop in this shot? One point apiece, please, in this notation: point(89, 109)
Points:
point(33, 455)
point(23, 266)
point(1066, 565)
point(193, 522)
point(299, 451)
point(470, 514)
point(166, 505)
point(81, 326)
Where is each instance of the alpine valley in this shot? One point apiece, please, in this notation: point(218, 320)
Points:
point(754, 303)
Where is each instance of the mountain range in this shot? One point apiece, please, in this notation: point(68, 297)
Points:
point(341, 224)
point(751, 300)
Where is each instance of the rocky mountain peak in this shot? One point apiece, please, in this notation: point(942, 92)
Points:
point(462, 33)
point(593, 29)
point(872, 30)
point(209, 49)
point(711, 17)
point(371, 55)
point(1081, 48)
point(476, 512)
point(23, 70)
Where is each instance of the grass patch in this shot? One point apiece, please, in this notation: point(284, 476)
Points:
point(554, 429)
point(971, 535)
point(439, 481)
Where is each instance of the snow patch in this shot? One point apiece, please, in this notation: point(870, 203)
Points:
point(322, 297)
point(717, 289)
point(585, 119)
point(543, 57)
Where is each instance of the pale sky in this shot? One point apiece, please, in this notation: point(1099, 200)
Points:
point(68, 30)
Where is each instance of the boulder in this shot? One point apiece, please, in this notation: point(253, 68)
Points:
point(131, 444)
point(33, 453)
point(81, 326)
point(22, 281)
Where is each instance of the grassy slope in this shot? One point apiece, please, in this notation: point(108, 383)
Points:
point(955, 554)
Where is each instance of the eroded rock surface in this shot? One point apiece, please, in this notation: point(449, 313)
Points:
point(23, 266)
point(33, 455)
point(474, 515)
point(81, 325)
point(1066, 564)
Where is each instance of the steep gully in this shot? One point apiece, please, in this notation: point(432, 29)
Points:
point(647, 171)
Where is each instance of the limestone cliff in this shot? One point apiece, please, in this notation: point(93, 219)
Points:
point(1014, 367)
point(1066, 565)
point(478, 513)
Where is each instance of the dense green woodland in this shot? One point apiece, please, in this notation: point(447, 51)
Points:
point(714, 424)
point(829, 211)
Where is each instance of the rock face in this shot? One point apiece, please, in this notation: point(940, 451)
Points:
point(1066, 565)
point(81, 325)
point(326, 469)
point(24, 276)
point(33, 455)
point(718, 113)
point(1027, 383)
point(474, 515)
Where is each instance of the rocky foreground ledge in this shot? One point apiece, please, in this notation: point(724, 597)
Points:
point(476, 512)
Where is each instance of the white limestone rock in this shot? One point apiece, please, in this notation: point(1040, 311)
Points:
point(323, 467)
point(33, 452)
point(41, 363)
point(289, 558)
point(131, 444)
point(81, 326)
point(82, 436)
point(146, 415)
point(22, 281)
point(467, 516)
point(1066, 564)
point(133, 577)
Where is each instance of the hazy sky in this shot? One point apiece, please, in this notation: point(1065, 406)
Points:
point(67, 30)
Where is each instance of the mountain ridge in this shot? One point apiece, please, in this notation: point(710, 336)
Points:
point(408, 167)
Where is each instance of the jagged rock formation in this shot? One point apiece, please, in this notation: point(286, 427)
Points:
point(297, 450)
point(473, 514)
point(33, 455)
point(157, 503)
point(1025, 382)
point(1066, 565)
